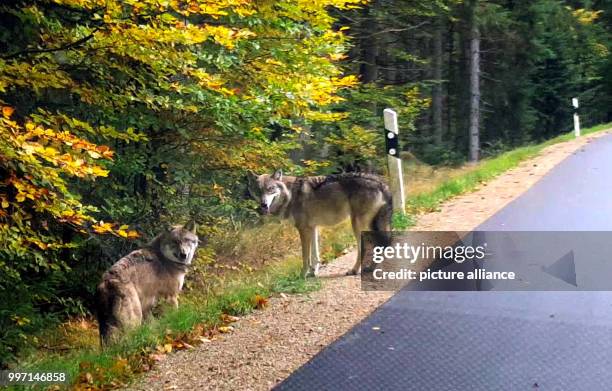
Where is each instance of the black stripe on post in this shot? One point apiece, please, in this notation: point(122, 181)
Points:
point(392, 143)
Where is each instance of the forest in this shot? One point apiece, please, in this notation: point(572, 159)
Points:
point(123, 117)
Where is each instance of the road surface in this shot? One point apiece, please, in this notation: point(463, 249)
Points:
point(491, 340)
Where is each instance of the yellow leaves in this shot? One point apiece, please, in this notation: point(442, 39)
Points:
point(212, 82)
point(313, 12)
point(216, 9)
point(585, 17)
point(226, 36)
point(25, 190)
point(96, 171)
point(321, 116)
point(87, 4)
point(165, 348)
point(273, 61)
point(109, 228)
point(102, 227)
point(146, 54)
point(20, 320)
point(72, 216)
point(179, 33)
point(345, 82)
point(61, 149)
point(207, 9)
point(37, 77)
point(337, 56)
point(105, 151)
point(244, 11)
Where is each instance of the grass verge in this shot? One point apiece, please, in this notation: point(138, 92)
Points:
point(485, 170)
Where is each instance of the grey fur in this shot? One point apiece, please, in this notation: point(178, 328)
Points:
point(325, 201)
point(133, 285)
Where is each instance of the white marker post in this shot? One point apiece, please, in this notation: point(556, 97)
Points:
point(576, 117)
point(393, 160)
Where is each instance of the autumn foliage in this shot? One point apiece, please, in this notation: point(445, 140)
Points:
point(119, 116)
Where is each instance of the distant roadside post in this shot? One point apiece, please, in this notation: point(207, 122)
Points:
point(576, 117)
point(394, 161)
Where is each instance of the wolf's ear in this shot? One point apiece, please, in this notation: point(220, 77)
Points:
point(252, 177)
point(278, 175)
point(191, 226)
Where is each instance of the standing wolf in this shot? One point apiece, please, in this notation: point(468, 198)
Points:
point(323, 201)
point(132, 286)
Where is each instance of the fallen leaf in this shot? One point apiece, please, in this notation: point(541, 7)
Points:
point(226, 329)
point(259, 302)
point(229, 318)
point(157, 357)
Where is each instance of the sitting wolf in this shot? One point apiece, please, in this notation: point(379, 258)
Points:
point(324, 201)
point(132, 286)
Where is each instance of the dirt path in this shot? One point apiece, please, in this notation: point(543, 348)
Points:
point(268, 345)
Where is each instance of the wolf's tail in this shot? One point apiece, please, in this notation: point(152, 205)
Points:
point(381, 224)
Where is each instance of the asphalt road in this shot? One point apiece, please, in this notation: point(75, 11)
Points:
point(491, 340)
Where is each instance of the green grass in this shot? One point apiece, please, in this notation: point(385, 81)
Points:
point(486, 170)
point(241, 293)
point(401, 221)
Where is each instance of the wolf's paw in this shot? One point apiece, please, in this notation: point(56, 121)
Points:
point(352, 272)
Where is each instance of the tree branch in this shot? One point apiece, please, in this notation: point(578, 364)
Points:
point(396, 30)
point(50, 50)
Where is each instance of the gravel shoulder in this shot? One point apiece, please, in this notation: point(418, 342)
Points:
point(267, 346)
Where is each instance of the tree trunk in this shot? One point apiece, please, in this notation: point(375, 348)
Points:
point(450, 85)
point(436, 93)
point(369, 47)
point(474, 130)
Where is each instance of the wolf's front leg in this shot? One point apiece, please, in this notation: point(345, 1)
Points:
point(306, 236)
point(315, 261)
point(173, 300)
point(356, 223)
